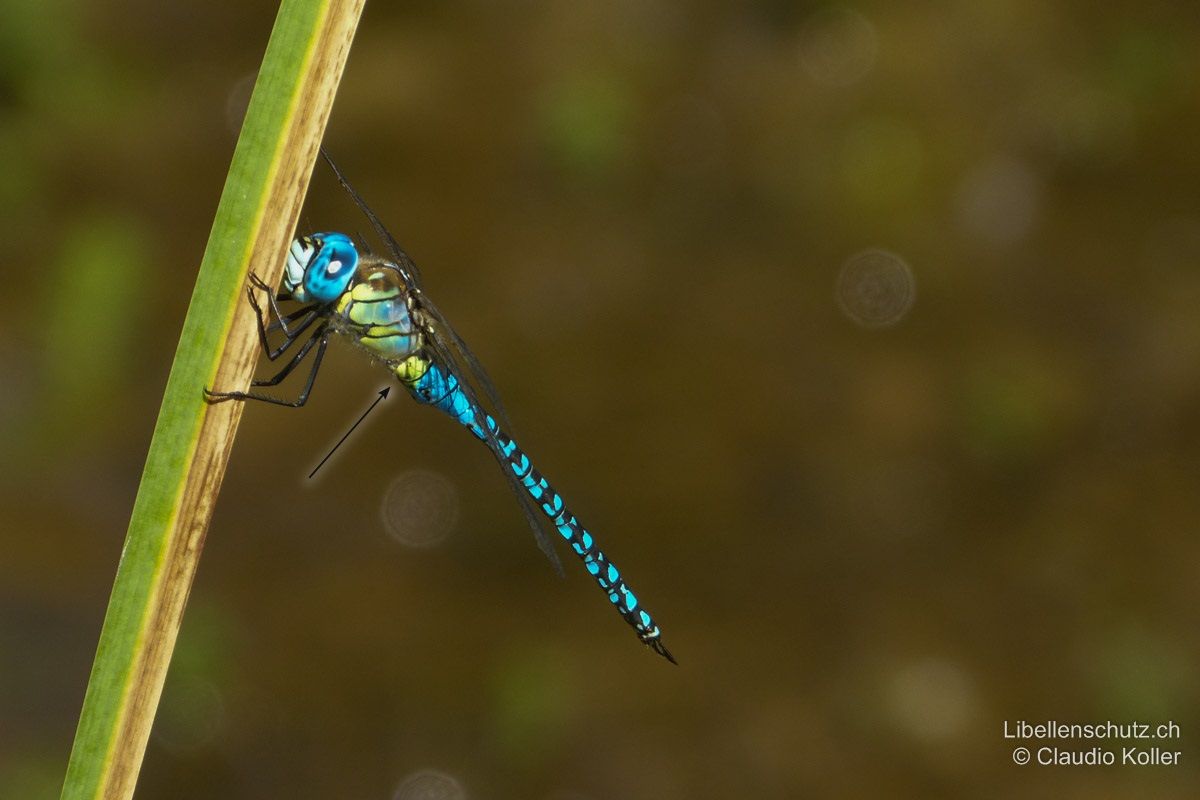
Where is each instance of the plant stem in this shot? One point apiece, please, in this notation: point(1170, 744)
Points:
point(192, 440)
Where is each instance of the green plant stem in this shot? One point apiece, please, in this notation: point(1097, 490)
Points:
point(190, 447)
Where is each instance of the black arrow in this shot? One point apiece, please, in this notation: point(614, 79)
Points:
point(382, 394)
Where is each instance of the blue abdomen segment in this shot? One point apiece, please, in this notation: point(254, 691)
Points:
point(441, 389)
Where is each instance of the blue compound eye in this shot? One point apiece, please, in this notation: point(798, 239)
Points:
point(331, 268)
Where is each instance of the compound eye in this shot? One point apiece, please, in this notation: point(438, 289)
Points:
point(332, 267)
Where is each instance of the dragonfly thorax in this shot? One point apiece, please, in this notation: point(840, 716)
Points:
point(378, 311)
point(319, 268)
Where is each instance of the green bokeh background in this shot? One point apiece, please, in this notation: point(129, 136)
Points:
point(868, 545)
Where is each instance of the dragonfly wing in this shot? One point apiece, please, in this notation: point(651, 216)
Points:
point(363, 244)
point(544, 541)
point(466, 359)
point(474, 368)
point(411, 273)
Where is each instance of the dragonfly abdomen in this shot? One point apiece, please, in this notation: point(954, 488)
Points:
point(430, 384)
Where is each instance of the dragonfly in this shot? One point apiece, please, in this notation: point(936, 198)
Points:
point(379, 304)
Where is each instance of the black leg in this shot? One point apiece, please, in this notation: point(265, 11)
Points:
point(291, 365)
point(274, 301)
point(322, 335)
point(306, 315)
point(292, 317)
point(308, 319)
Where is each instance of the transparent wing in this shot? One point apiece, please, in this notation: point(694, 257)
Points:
point(464, 365)
point(475, 369)
point(362, 244)
point(407, 267)
point(541, 536)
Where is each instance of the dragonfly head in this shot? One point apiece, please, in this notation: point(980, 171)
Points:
point(319, 268)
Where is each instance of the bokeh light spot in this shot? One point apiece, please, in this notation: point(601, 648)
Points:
point(838, 46)
point(998, 201)
point(429, 784)
point(420, 508)
point(876, 288)
point(933, 699)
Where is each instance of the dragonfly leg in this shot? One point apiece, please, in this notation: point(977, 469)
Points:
point(321, 337)
point(274, 301)
point(278, 324)
point(291, 365)
point(306, 316)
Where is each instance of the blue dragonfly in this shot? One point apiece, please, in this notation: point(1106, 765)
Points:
point(379, 305)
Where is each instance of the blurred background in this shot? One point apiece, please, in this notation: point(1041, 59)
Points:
point(866, 338)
